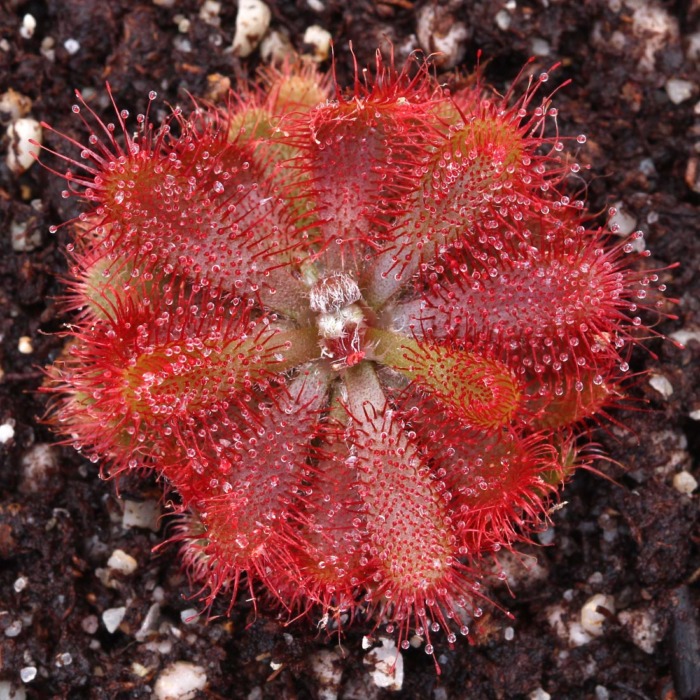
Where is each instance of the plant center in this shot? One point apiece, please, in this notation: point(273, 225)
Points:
point(337, 302)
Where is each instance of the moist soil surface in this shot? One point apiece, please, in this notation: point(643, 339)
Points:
point(628, 532)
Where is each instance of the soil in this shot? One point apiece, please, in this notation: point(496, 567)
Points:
point(627, 532)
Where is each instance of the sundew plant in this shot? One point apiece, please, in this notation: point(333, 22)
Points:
point(354, 332)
